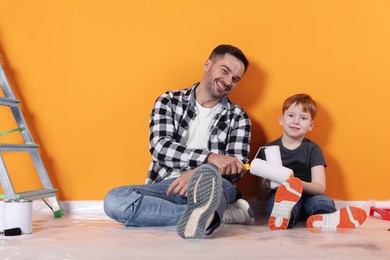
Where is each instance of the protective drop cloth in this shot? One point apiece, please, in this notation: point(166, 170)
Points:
point(84, 232)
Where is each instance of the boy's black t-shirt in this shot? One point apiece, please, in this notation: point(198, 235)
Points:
point(301, 159)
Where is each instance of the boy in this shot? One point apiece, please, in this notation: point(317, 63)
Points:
point(302, 196)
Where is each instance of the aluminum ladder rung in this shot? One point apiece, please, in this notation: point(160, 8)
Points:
point(47, 193)
point(9, 102)
point(34, 194)
point(18, 147)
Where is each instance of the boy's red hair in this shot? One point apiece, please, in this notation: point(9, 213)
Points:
point(305, 100)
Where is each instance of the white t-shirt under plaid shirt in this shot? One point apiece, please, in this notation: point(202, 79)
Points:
point(173, 113)
point(199, 130)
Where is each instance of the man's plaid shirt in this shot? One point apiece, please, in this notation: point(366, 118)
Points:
point(173, 112)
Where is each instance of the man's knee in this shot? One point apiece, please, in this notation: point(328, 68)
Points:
point(118, 202)
point(109, 203)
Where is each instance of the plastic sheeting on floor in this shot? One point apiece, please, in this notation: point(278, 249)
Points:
point(84, 232)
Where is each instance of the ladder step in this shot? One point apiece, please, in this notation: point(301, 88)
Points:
point(34, 194)
point(18, 147)
point(9, 102)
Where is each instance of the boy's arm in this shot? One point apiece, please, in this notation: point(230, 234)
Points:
point(317, 185)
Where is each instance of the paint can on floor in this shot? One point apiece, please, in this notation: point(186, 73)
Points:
point(18, 213)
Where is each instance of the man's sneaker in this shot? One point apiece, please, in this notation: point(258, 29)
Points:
point(287, 195)
point(239, 213)
point(347, 217)
point(203, 197)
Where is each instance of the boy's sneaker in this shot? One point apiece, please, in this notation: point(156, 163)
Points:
point(287, 195)
point(203, 197)
point(347, 217)
point(239, 213)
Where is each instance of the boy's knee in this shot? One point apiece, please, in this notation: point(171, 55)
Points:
point(325, 200)
point(323, 204)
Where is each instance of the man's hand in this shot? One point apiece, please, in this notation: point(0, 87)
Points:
point(227, 165)
point(179, 186)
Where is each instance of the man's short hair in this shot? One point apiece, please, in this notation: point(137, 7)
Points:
point(222, 49)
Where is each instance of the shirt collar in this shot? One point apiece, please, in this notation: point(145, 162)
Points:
point(224, 101)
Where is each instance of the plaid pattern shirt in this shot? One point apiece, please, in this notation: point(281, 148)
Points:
point(170, 118)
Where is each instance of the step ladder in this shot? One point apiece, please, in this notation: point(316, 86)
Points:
point(47, 193)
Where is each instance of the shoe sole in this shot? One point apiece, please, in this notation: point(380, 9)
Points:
point(203, 197)
point(287, 195)
point(344, 218)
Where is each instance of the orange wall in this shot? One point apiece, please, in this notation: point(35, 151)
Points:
point(88, 72)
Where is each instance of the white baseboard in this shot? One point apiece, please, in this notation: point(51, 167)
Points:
point(73, 206)
point(96, 206)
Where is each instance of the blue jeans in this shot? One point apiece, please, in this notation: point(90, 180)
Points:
point(307, 206)
point(148, 205)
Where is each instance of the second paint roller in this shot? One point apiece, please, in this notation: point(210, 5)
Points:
point(271, 168)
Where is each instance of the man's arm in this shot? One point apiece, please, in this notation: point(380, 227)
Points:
point(230, 163)
point(237, 148)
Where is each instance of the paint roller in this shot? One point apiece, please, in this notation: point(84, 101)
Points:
point(271, 168)
point(11, 232)
point(269, 171)
point(277, 174)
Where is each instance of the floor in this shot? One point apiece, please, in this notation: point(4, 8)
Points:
point(84, 232)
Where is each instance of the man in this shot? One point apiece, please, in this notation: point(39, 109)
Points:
point(197, 135)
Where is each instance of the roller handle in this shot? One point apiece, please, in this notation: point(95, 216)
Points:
point(11, 232)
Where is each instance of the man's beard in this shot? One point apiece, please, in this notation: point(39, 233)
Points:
point(213, 96)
